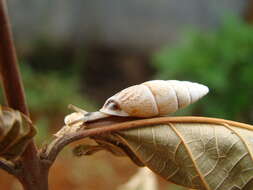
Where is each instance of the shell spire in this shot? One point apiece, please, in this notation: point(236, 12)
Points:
point(194, 90)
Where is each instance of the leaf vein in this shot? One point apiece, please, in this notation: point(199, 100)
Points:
point(191, 156)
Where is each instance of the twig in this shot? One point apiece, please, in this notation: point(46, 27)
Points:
point(100, 127)
point(31, 175)
point(59, 143)
point(8, 167)
point(10, 73)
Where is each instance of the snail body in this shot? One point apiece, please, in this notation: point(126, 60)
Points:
point(149, 99)
point(154, 98)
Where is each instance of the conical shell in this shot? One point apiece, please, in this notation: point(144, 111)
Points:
point(153, 98)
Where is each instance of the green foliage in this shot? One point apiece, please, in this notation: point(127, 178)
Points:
point(222, 60)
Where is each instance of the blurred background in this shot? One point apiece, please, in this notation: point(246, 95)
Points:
point(82, 52)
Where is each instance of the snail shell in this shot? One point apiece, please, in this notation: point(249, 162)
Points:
point(154, 98)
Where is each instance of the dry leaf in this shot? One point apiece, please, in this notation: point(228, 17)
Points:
point(144, 179)
point(204, 154)
point(16, 131)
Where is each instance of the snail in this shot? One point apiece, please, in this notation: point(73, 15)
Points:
point(149, 99)
point(154, 98)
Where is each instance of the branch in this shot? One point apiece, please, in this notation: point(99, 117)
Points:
point(13, 87)
point(100, 127)
point(106, 125)
point(10, 74)
point(14, 94)
point(8, 167)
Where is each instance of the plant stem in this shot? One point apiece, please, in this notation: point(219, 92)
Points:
point(101, 126)
point(10, 74)
point(32, 175)
point(8, 167)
